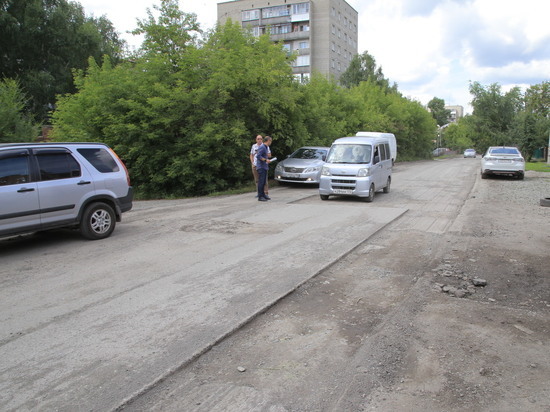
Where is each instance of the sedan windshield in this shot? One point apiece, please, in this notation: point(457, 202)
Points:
point(308, 153)
point(350, 153)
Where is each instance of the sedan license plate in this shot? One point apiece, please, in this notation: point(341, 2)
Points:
point(343, 191)
point(292, 175)
point(505, 161)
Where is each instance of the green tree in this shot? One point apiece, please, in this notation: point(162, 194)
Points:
point(439, 113)
point(384, 110)
point(532, 126)
point(362, 68)
point(494, 115)
point(184, 122)
point(457, 136)
point(171, 34)
point(15, 124)
point(41, 41)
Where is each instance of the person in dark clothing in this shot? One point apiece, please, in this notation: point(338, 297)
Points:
point(262, 166)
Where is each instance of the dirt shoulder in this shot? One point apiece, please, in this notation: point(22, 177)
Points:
point(399, 323)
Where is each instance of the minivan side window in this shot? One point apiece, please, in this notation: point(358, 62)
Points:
point(101, 159)
point(14, 170)
point(57, 166)
point(383, 155)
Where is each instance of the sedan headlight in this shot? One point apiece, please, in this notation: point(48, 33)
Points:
point(325, 171)
point(279, 168)
point(311, 169)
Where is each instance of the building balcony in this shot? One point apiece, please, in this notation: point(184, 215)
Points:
point(295, 35)
point(300, 17)
point(271, 21)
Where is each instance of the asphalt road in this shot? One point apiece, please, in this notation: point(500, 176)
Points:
point(93, 325)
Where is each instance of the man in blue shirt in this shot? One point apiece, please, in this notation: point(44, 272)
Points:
point(262, 166)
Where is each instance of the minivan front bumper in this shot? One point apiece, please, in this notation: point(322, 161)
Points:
point(345, 185)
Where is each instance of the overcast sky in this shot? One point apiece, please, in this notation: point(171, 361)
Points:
point(430, 48)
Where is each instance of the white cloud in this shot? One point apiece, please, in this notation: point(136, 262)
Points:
point(430, 48)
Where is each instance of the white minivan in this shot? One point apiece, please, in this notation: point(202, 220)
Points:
point(357, 166)
point(389, 136)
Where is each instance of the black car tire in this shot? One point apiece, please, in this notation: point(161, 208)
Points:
point(98, 221)
point(483, 175)
point(370, 197)
point(521, 176)
point(388, 185)
point(545, 202)
point(324, 197)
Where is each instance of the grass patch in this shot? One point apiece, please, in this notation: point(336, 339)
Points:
point(537, 166)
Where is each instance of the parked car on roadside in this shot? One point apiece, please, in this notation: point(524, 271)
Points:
point(502, 160)
point(302, 166)
point(470, 153)
point(357, 166)
point(440, 151)
point(52, 185)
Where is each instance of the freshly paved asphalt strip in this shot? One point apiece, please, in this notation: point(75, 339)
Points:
point(101, 323)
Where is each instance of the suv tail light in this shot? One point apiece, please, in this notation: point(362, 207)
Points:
point(123, 165)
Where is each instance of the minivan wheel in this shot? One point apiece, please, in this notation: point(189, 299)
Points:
point(370, 197)
point(98, 221)
point(388, 184)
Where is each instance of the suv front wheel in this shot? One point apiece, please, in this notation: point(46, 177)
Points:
point(98, 221)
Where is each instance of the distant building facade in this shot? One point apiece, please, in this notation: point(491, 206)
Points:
point(456, 113)
point(322, 32)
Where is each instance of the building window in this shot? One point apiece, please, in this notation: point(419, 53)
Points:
point(257, 31)
point(303, 45)
point(276, 11)
point(302, 60)
point(248, 15)
point(300, 8)
point(281, 29)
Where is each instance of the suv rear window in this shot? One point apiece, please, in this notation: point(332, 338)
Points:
point(101, 159)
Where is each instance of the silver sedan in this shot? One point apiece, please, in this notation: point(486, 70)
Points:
point(302, 166)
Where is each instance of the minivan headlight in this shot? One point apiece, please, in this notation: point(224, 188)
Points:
point(363, 172)
point(325, 171)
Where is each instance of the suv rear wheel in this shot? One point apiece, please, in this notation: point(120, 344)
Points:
point(98, 221)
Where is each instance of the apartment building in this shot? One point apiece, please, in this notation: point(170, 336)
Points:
point(456, 113)
point(323, 33)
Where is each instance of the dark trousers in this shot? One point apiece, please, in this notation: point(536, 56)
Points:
point(262, 179)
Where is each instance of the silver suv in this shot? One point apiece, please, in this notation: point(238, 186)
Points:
point(51, 185)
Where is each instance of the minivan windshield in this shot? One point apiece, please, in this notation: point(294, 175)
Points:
point(350, 153)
